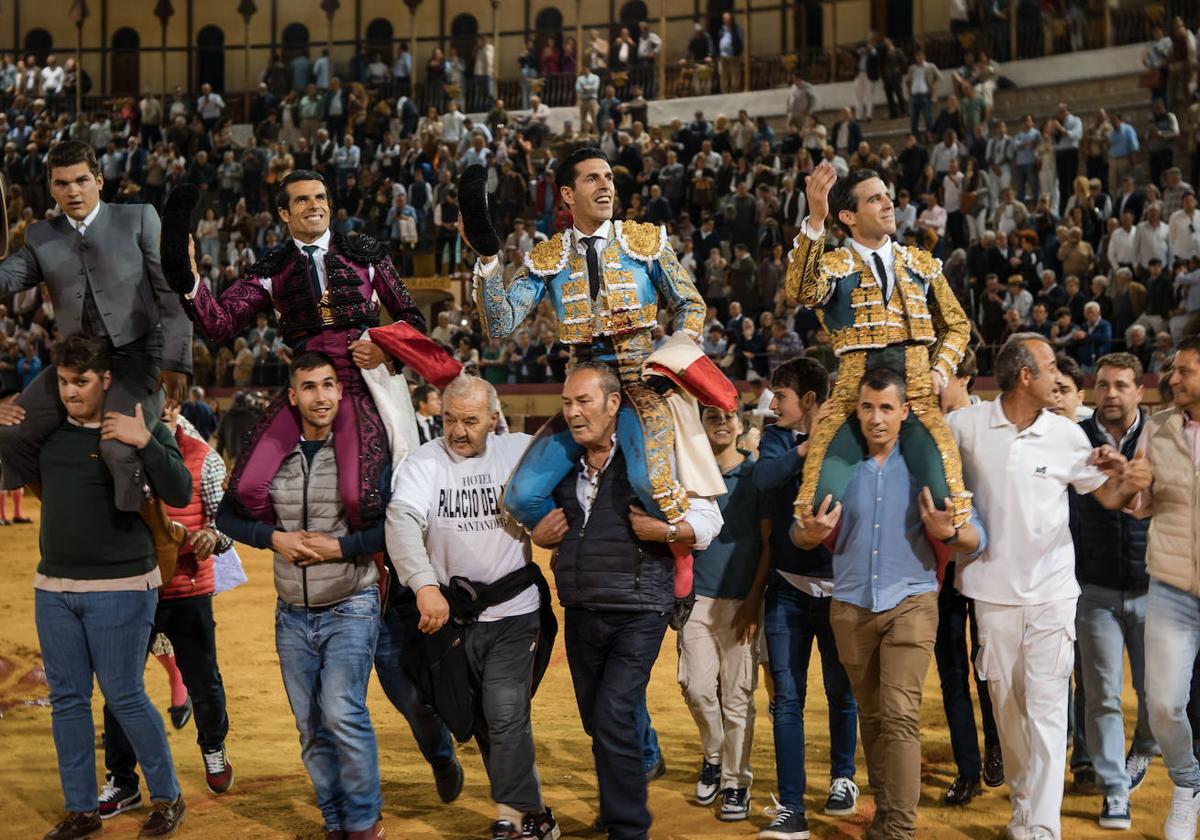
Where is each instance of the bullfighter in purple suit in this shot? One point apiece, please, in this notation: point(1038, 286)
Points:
point(327, 290)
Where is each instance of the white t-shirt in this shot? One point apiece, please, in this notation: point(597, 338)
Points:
point(467, 532)
point(1020, 481)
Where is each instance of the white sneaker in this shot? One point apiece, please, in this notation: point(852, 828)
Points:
point(1181, 819)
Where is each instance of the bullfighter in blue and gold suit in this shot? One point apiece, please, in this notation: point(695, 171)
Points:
point(915, 326)
point(606, 311)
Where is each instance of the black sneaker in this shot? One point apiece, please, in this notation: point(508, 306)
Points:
point(449, 780)
point(788, 824)
point(843, 798)
point(218, 772)
point(504, 830)
point(180, 715)
point(735, 804)
point(1136, 766)
point(164, 819)
point(1114, 813)
point(1084, 778)
point(76, 826)
point(541, 826)
point(117, 799)
point(993, 767)
point(709, 783)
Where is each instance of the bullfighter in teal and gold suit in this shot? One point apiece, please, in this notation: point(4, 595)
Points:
point(884, 305)
point(606, 289)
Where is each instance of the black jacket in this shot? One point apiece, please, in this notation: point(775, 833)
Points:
point(601, 565)
point(1110, 546)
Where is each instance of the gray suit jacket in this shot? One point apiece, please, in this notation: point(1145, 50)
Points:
point(120, 262)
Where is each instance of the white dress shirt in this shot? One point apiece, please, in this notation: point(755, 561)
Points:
point(88, 220)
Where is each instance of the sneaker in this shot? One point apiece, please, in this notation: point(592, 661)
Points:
point(448, 778)
point(504, 830)
point(993, 767)
point(1114, 813)
point(1136, 766)
point(180, 715)
point(1084, 778)
point(708, 784)
point(1181, 819)
point(541, 826)
point(657, 771)
point(788, 823)
point(843, 798)
point(218, 773)
point(735, 804)
point(117, 799)
point(164, 819)
point(76, 826)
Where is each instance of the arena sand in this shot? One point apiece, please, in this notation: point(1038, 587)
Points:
point(272, 797)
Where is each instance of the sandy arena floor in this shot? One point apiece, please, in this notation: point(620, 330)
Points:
point(272, 797)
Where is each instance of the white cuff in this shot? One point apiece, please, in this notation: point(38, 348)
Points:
point(195, 288)
point(807, 230)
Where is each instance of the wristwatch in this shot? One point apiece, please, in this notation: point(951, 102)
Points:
point(672, 532)
point(952, 539)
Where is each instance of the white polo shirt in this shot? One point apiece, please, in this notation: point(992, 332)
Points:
point(1020, 481)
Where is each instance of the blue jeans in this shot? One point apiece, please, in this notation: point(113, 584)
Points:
point(651, 754)
point(921, 106)
point(1026, 174)
point(325, 656)
point(792, 622)
point(1107, 623)
point(106, 634)
point(1173, 627)
point(396, 633)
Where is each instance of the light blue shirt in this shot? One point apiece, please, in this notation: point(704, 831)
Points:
point(1123, 141)
point(1026, 155)
point(882, 554)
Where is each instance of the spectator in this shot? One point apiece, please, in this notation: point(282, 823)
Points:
point(729, 43)
point(920, 82)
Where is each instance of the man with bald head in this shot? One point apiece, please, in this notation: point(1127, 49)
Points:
point(445, 526)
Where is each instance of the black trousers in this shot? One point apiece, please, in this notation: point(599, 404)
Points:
point(610, 655)
point(1066, 161)
point(134, 377)
point(954, 671)
point(189, 624)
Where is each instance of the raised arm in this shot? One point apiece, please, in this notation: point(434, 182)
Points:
point(804, 282)
point(20, 271)
point(222, 319)
point(675, 284)
point(502, 310)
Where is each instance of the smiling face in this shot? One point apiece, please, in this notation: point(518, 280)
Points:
point(76, 189)
point(316, 394)
point(590, 199)
point(1185, 381)
point(307, 211)
point(722, 428)
point(875, 217)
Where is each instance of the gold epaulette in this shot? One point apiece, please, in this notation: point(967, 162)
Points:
point(924, 264)
point(641, 240)
point(837, 263)
point(550, 257)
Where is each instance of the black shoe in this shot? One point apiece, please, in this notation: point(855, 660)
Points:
point(735, 804)
point(709, 783)
point(961, 791)
point(993, 767)
point(1084, 778)
point(76, 826)
point(504, 830)
point(789, 824)
point(21, 520)
point(180, 715)
point(164, 819)
point(657, 771)
point(449, 780)
point(117, 799)
point(541, 826)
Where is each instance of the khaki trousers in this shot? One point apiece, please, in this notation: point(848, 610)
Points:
point(886, 655)
point(718, 677)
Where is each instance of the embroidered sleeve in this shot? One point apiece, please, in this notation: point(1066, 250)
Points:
point(502, 310)
point(675, 284)
point(222, 319)
point(951, 328)
point(805, 281)
point(393, 294)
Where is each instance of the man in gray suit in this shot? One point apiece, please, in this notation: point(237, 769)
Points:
point(101, 264)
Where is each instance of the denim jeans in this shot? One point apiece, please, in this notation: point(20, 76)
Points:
point(189, 624)
point(1173, 630)
point(1107, 623)
point(325, 656)
point(106, 634)
point(792, 621)
point(396, 633)
point(921, 106)
point(1026, 175)
point(610, 655)
point(651, 754)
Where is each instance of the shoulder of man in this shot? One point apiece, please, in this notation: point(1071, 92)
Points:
point(360, 248)
point(642, 240)
point(549, 257)
point(271, 263)
point(922, 263)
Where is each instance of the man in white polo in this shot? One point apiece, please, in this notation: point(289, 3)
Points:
point(1019, 457)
